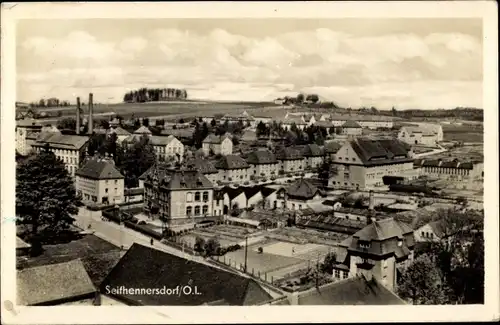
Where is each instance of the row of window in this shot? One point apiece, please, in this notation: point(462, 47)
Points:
point(69, 160)
point(189, 196)
point(338, 273)
point(425, 234)
point(204, 210)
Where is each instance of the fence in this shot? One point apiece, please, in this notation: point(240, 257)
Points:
point(227, 262)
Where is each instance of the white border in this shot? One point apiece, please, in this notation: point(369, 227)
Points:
point(292, 314)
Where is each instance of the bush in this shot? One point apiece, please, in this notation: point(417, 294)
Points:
point(142, 222)
point(212, 246)
point(145, 230)
point(199, 245)
point(273, 178)
point(260, 250)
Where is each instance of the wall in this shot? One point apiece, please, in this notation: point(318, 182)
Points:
point(179, 203)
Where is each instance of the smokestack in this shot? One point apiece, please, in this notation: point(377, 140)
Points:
point(77, 115)
point(91, 108)
point(371, 205)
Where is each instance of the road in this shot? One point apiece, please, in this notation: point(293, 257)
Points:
point(430, 153)
point(120, 235)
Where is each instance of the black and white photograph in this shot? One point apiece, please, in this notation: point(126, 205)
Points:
point(252, 160)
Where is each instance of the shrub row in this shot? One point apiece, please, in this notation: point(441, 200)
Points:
point(144, 229)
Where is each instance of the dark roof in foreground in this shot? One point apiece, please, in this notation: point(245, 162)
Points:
point(53, 283)
point(145, 267)
point(352, 291)
point(99, 169)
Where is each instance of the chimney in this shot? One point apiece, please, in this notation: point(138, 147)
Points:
point(77, 115)
point(371, 204)
point(91, 111)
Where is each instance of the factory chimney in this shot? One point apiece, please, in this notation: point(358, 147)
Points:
point(371, 203)
point(77, 115)
point(91, 108)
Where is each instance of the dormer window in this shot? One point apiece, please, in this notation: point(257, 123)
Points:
point(400, 243)
point(363, 244)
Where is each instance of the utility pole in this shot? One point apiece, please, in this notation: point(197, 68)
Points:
point(246, 252)
point(117, 209)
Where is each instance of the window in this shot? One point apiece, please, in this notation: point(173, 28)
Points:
point(205, 196)
point(197, 196)
point(106, 181)
point(337, 274)
point(106, 190)
point(116, 181)
point(197, 210)
point(364, 244)
point(345, 274)
point(116, 190)
point(205, 209)
point(189, 211)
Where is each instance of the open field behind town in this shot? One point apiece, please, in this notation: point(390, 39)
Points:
point(463, 133)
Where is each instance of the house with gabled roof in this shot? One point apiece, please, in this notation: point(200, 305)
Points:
point(299, 194)
point(422, 134)
point(262, 163)
point(353, 291)
point(217, 145)
point(206, 167)
point(166, 148)
point(177, 194)
point(145, 267)
point(361, 162)
point(121, 134)
point(313, 154)
point(71, 149)
point(351, 127)
point(56, 284)
point(291, 159)
point(100, 182)
point(233, 168)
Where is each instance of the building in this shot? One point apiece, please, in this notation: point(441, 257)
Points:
point(314, 156)
point(244, 118)
point(331, 148)
point(145, 267)
point(381, 250)
point(71, 149)
point(263, 163)
point(291, 160)
point(357, 290)
point(361, 163)
point(233, 168)
point(217, 145)
point(56, 284)
point(177, 194)
point(351, 128)
point(165, 148)
point(425, 134)
point(430, 232)
point(206, 167)
point(299, 194)
point(121, 134)
point(249, 136)
point(143, 130)
point(366, 121)
point(234, 198)
point(100, 182)
point(24, 128)
point(453, 171)
point(291, 120)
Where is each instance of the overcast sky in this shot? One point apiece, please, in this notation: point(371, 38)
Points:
point(406, 63)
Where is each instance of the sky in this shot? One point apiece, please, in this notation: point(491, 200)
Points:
point(406, 63)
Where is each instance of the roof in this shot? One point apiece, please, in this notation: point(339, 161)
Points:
point(216, 286)
point(444, 164)
point(21, 243)
point(351, 124)
point(179, 132)
point(162, 140)
point(437, 228)
point(28, 123)
point(175, 178)
point(249, 135)
point(383, 229)
point(134, 191)
point(289, 153)
point(232, 192)
point(332, 147)
point(260, 157)
point(231, 162)
point(423, 128)
point(143, 130)
point(99, 169)
point(312, 150)
point(203, 165)
point(381, 151)
point(352, 291)
point(303, 189)
point(323, 124)
point(61, 141)
point(297, 120)
point(53, 282)
point(216, 139)
point(119, 131)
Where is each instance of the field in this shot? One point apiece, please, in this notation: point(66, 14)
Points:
point(463, 133)
point(464, 153)
point(167, 109)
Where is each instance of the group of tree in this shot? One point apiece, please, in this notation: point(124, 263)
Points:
point(207, 248)
point(51, 102)
point(46, 198)
point(143, 95)
point(450, 270)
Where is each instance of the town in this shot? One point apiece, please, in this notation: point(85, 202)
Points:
point(291, 202)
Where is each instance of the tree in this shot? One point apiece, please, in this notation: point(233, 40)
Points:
point(145, 122)
point(46, 197)
point(199, 245)
point(212, 246)
point(96, 144)
point(137, 160)
point(300, 98)
point(66, 124)
point(421, 283)
point(104, 124)
point(328, 263)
